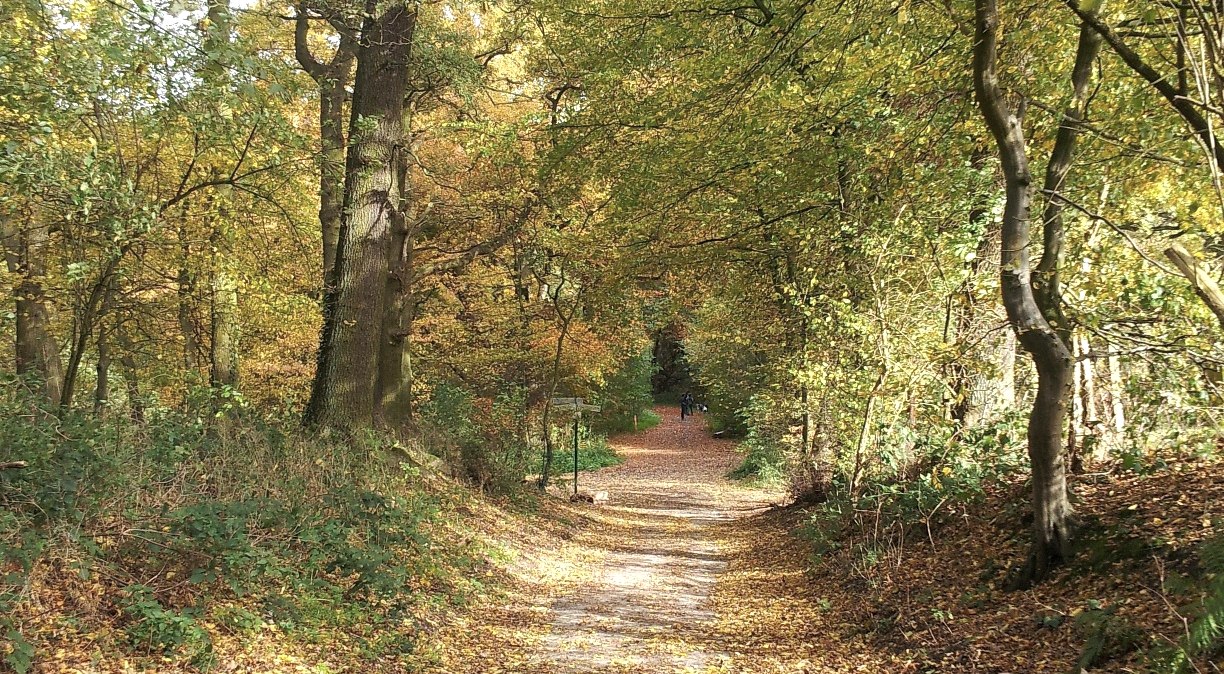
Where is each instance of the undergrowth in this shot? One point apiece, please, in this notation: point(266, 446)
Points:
point(764, 462)
point(593, 454)
point(173, 525)
point(870, 532)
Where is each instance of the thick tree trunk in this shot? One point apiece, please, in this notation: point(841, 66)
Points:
point(331, 172)
point(223, 295)
point(345, 385)
point(1051, 506)
point(394, 357)
point(37, 352)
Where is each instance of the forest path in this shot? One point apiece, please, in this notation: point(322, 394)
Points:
point(648, 607)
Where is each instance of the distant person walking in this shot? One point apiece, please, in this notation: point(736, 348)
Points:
point(686, 405)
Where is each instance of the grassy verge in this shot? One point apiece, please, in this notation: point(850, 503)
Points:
point(593, 454)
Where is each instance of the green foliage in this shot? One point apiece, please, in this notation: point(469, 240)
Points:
point(21, 653)
point(485, 437)
point(764, 461)
point(340, 528)
point(942, 471)
point(152, 627)
point(1106, 635)
point(593, 453)
point(626, 395)
point(1206, 632)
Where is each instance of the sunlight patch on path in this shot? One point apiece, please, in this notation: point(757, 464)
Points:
point(647, 608)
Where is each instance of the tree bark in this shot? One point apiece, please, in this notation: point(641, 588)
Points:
point(1075, 431)
point(223, 346)
point(1047, 287)
point(102, 367)
point(345, 385)
point(130, 374)
point(1203, 284)
point(37, 352)
point(395, 358)
point(186, 282)
point(1115, 394)
point(1092, 420)
point(1051, 506)
point(223, 296)
point(332, 79)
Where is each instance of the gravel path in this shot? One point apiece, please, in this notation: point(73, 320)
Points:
point(648, 608)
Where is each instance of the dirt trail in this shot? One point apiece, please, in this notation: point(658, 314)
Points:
point(649, 606)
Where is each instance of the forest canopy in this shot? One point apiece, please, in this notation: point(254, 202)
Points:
point(888, 242)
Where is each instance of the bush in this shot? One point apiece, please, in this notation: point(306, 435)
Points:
point(1205, 636)
point(764, 461)
point(483, 437)
point(154, 628)
point(593, 453)
point(627, 394)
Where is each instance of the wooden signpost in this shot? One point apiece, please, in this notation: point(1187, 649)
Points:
point(577, 406)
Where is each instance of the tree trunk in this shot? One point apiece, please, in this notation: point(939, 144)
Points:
point(331, 170)
point(394, 358)
point(977, 393)
point(223, 295)
point(186, 298)
point(86, 316)
point(1092, 420)
point(1051, 506)
point(130, 374)
point(1075, 431)
point(37, 352)
point(804, 389)
point(1116, 392)
point(345, 386)
point(102, 367)
point(332, 79)
point(564, 321)
point(1190, 110)
point(1203, 284)
point(223, 347)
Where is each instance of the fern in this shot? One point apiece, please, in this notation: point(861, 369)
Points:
point(1207, 632)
